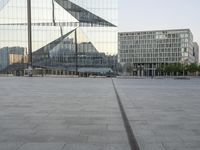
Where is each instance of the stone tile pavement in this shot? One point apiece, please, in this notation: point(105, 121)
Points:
point(60, 114)
point(83, 114)
point(164, 114)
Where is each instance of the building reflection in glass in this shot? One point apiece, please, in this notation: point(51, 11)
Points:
point(54, 23)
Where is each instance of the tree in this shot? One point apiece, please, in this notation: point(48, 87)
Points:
point(170, 68)
point(177, 68)
point(174, 69)
point(199, 68)
point(192, 68)
point(161, 68)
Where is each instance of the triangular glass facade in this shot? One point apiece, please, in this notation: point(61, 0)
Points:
point(83, 15)
point(54, 23)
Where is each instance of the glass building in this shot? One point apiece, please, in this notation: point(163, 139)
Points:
point(65, 33)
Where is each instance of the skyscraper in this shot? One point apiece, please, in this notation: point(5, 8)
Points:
point(63, 31)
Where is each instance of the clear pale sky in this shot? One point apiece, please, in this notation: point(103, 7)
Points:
point(139, 15)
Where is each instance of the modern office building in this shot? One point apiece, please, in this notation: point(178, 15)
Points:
point(11, 55)
point(65, 33)
point(3, 58)
point(196, 52)
point(147, 50)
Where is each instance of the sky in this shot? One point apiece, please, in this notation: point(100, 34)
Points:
point(140, 15)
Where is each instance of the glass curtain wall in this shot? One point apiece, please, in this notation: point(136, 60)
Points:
point(58, 26)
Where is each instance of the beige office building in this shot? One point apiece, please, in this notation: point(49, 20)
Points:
point(147, 50)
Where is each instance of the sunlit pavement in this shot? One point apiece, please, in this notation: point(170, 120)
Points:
point(83, 114)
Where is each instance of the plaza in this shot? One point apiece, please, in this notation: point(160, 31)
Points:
point(84, 114)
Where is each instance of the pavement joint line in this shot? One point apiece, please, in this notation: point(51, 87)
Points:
point(131, 137)
point(20, 146)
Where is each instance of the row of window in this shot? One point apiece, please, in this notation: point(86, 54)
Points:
point(175, 50)
point(149, 60)
point(150, 46)
point(157, 32)
point(154, 41)
point(158, 35)
point(151, 55)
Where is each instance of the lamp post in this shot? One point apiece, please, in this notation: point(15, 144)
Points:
point(30, 65)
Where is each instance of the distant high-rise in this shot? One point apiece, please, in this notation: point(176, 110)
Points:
point(11, 55)
point(63, 31)
point(147, 50)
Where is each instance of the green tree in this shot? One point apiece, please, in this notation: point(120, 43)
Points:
point(199, 70)
point(174, 69)
point(177, 68)
point(184, 69)
point(168, 69)
point(161, 68)
point(192, 68)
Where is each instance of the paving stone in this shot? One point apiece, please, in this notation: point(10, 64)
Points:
point(164, 114)
point(10, 146)
point(55, 113)
point(84, 146)
point(42, 146)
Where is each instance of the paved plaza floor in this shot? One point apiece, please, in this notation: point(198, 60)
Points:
point(60, 114)
point(83, 114)
point(164, 114)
